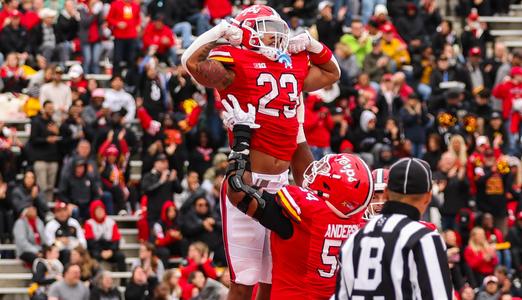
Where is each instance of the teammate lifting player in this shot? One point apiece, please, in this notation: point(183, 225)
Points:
point(263, 67)
point(310, 223)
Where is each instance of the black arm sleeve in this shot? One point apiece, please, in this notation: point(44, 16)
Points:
point(273, 218)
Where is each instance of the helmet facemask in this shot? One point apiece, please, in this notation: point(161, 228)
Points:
point(261, 27)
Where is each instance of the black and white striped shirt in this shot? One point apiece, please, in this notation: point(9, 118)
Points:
point(394, 257)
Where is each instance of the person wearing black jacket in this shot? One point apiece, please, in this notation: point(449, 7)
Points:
point(67, 25)
point(152, 91)
point(45, 38)
point(328, 27)
point(414, 119)
point(199, 223)
point(80, 189)
point(14, 36)
point(456, 192)
point(491, 190)
point(411, 26)
point(159, 185)
point(28, 194)
point(43, 149)
point(304, 10)
point(140, 287)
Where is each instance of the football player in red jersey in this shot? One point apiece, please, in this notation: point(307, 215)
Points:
point(309, 223)
point(263, 67)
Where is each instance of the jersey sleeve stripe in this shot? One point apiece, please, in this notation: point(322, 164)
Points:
point(222, 59)
point(288, 207)
point(291, 201)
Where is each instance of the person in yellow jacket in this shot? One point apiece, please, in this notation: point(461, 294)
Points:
point(393, 47)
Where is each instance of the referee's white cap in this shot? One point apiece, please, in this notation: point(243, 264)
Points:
point(410, 176)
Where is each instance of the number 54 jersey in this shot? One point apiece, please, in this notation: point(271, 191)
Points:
point(305, 266)
point(274, 88)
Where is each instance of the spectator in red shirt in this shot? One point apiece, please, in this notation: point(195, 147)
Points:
point(124, 20)
point(197, 259)
point(317, 126)
point(91, 20)
point(510, 93)
point(167, 234)
point(5, 13)
point(159, 40)
point(103, 236)
point(495, 236)
point(480, 255)
point(30, 17)
point(12, 75)
point(218, 9)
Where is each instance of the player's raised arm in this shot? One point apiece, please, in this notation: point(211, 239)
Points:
point(261, 206)
point(324, 70)
point(208, 72)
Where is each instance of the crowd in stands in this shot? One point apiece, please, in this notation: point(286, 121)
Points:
point(413, 83)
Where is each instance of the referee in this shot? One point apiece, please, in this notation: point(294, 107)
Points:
point(394, 256)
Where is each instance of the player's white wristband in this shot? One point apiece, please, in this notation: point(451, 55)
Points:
point(315, 46)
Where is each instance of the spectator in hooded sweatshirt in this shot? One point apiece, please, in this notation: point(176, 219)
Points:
point(358, 41)
point(411, 27)
point(166, 234)
point(115, 190)
point(124, 20)
point(103, 236)
point(29, 235)
point(79, 190)
point(317, 126)
point(64, 232)
point(329, 27)
point(200, 223)
point(367, 136)
point(158, 40)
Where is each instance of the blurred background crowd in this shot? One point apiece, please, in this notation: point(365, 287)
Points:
point(100, 124)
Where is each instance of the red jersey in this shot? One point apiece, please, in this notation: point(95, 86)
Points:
point(275, 92)
point(305, 266)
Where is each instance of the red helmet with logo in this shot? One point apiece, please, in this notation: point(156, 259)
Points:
point(343, 180)
point(257, 21)
point(380, 181)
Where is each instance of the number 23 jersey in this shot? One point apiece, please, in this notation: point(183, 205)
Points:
point(305, 266)
point(273, 89)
